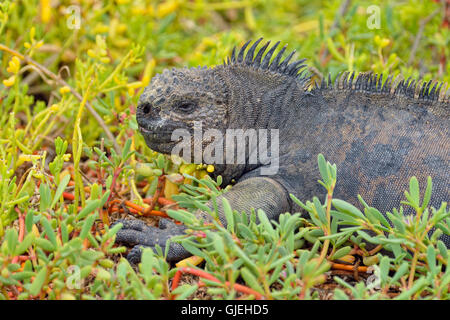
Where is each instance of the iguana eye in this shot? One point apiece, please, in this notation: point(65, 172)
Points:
point(186, 107)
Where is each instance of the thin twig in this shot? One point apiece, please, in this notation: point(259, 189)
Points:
point(30, 78)
point(72, 90)
point(342, 11)
point(200, 273)
point(21, 230)
point(422, 24)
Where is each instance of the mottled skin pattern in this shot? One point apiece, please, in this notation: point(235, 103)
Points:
point(379, 136)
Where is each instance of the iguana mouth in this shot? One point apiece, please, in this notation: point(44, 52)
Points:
point(158, 136)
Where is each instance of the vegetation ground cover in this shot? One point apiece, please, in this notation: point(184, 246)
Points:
point(71, 162)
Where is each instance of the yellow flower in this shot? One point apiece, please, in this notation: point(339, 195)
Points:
point(210, 168)
point(64, 90)
point(381, 42)
point(170, 189)
point(91, 53)
point(55, 107)
point(46, 11)
point(150, 11)
point(39, 44)
point(14, 65)
point(201, 174)
point(35, 231)
point(166, 8)
point(38, 175)
point(25, 157)
point(148, 71)
point(121, 28)
point(122, 42)
point(187, 168)
point(138, 11)
point(66, 156)
point(209, 42)
point(101, 28)
point(32, 33)
point(132, 86)
point(10, 81)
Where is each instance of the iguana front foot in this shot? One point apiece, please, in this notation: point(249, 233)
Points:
point(136, 233)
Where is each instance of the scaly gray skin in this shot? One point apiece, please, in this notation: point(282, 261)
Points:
point(378, 135)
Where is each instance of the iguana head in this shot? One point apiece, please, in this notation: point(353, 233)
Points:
point(175, 99)
point(237, 94)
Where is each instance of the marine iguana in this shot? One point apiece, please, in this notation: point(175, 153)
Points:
point(378, 133)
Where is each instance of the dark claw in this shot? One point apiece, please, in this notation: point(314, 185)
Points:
point(137, 234)
point(134, 256)
point(167, 224)
point(134, 224)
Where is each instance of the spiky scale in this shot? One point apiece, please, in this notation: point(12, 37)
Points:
point(343, 80)
point(387, 84)
point(293, 68)
point(399, 87)
point(295, 71)
point(300, 75)
point(428, 89)
point(433, 92)
point(336, 80)
point(268, 56)
point(438, 91)
point(380, 82)
point(373, 82)
point(276, 61)
point(233, 55)
point(323, 83)
point(350, 81)
point(368, 82)
point(240, 58)
point(251, 52)
point(259, 55)
point(358, 82)
point(412, 88)
point(284, 64)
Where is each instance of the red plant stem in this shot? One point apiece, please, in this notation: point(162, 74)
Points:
point(165, 202)
point(205, 275)
point(158, 191)
point(162, 201)
point(136, 209)
point(145, 211)
point(21, 230)
point(345, 267)
point(113, 182)
point(111, 205)
point(68, 196)
point(24, 258)
point(141, 184)
point(21, 224)
point(176, 279)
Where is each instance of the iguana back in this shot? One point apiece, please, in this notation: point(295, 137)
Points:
point(378, 137)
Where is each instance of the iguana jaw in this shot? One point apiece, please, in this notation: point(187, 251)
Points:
point(157, 137)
